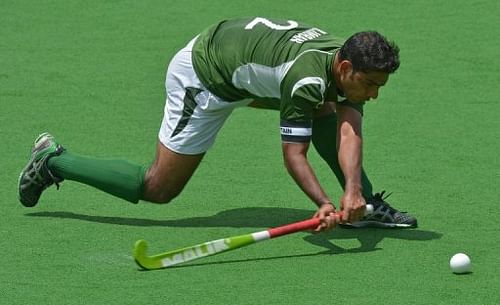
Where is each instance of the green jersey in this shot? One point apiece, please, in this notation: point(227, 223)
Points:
point(281, 62)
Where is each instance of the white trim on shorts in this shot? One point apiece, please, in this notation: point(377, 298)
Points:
point(194, 134)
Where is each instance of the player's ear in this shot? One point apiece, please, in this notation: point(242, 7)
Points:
point(345, 68)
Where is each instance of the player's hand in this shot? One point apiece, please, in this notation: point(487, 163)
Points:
point(328, 218)
point(353, 206)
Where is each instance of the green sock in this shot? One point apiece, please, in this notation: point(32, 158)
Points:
point(116, 177)
point(324, 138)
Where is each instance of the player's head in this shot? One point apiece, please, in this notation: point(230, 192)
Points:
point(364, 63)
point(370, 52)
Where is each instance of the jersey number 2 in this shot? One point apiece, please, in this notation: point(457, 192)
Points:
point(291, 24)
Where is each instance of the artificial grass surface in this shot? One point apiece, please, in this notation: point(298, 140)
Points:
point(92, 74)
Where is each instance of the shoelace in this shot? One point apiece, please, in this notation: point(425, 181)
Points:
point(381, 198)
point(55, 179)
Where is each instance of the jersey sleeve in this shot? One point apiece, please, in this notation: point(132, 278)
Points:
point(297, 110)
point(302, 91)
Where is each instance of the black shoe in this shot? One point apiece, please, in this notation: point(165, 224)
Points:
point(384, 216)
point(36, 176)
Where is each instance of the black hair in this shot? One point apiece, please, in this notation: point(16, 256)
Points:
point(370, 51)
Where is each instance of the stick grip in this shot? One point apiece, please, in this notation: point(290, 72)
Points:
point(308, 224)
point(294, 227)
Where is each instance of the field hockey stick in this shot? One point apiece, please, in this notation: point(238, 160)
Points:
point(175, 257)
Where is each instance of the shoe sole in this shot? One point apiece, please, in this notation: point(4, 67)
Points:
point(38, 142)
point(378, 224)
point(23, 202)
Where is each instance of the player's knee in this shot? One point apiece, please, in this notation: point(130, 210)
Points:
point(159, 193)
point(163, 198)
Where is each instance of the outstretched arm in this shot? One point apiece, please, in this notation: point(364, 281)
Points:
point(295, 157)
point(349, 145)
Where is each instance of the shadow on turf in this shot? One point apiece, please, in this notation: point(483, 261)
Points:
point(257, 217)
point(263, 217)
point(234, 261)
point(368, 238)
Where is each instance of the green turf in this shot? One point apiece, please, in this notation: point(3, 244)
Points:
point(92, 73)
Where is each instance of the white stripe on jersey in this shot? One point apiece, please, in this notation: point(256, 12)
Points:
point(310, 80)
point(296, 131)
point(261, 80)
point(264, 81)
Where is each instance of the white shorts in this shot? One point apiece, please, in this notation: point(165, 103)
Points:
point(193, 115)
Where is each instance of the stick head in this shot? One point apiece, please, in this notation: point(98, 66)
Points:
point(139, 252)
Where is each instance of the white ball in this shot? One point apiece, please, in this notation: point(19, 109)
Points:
point(369, 209)
point(460, 263)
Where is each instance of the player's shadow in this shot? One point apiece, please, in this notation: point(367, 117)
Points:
point(368, 238)
point(250, 217)
point(263, 217)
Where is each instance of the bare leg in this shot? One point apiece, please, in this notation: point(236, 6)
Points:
point(168, 175)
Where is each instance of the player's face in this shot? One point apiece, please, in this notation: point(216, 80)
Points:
point(360, 86)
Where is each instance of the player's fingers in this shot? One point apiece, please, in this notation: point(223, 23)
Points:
point(321, 227)
point(336, 219)
point(324, 223)
point(328, 222)
point(317, 230)
point(331, 220)
point(360, 212)
point(353, 216)
point(346, 215)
